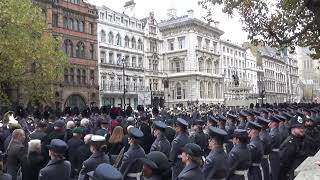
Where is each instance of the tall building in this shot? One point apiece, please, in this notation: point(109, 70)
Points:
point(76, 22)
point(191, 60)
point(275, 76)
point(154, 72)
point(121, 57)
point(240, 74)
point(309, 73)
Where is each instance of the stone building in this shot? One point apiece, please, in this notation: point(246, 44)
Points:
point(76, 22)
point(121, 57)
point(191, 60)
point(155, 76)
point(275, 76)
point(309, 73)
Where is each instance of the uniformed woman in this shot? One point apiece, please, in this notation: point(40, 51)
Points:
point(97, 147)
point(58, 167)
point(131, 168)
point(161, 142)
point(191, 157)
point(216, 165)
point(239, 157)
point(179, 141)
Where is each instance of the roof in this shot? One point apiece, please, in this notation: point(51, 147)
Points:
point(271, 53)
point(186, 20)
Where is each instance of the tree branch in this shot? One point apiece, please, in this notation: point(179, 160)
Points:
point(289, 40)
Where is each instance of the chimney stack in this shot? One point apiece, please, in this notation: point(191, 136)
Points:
point(129, 8)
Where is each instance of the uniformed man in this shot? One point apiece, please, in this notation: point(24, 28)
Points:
point(191, 157)
point(275, 144)
point(74, 143)
point(131, 168)
point(212, 121)
point(105, 172)
point(161, 143)
point(170, 132)
point(179, 141)
point(216, 165)
point(230, 124)
point(156, 166)
point(58, 167)
point(239, 158)
point(97, 147)
point(284, 132)
point(290, 150)
point(199, 137)
point(266, 141)
point(242, 120)
point(311, 137)
point(256, 149)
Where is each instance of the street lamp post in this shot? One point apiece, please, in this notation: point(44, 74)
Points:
point(124, 83)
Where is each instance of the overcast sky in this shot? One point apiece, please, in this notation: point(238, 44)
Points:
point(231, 26)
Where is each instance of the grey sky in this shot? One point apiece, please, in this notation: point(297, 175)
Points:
point(231, 26)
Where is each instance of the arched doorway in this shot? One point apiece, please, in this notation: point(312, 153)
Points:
point(75, 101)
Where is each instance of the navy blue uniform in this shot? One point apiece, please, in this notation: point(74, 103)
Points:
point(178, 142)
point(256, 148)
point(265, 163)
point(161, 144)
point(191, 172)
point(92, 163)
point(216, 165)
point(274, 155)
point(56, 169)
point(130, 164)
point(239, 160)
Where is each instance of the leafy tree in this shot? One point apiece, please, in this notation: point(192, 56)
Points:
point(277, 23)
point(30, 58)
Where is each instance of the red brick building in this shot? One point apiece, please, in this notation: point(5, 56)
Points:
point(76, 22)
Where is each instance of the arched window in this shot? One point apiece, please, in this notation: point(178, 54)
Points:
point(178, 68)
point(201, 90)
point(80, 50)
point(179, 91)
point(68, 47)
point(75, 25)
point(118, 39)
point(70, 24)
point(217, 90)
point(102, 36)
point(140, 45)
point(66, 75)
point(84, 76)
point(81, 24)
point(110, 36)
point(209, 66)
point(126, 41)
point(210, 90)
point(133, 43)
point(201, 66)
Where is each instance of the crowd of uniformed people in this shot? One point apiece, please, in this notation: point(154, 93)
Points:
point(206, 142)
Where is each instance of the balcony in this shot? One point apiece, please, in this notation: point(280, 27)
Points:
point(130, 89)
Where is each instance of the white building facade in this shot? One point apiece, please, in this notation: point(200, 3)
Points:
point(121, 57)
point(191, 61)
point(153, 59)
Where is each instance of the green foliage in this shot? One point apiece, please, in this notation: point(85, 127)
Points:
point(277, 23)
point(30, 58)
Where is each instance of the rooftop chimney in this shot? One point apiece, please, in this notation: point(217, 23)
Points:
point(129, 8)
point(172, 13)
